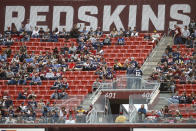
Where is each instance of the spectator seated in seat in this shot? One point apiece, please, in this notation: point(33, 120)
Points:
point(41, 32)
point(147, 37)
point(3, 57)
point(142, 113)
point(8, 102)
point(40, 104)
point(22, 80)
point(174, 99)
point(72, 49)
point(113, 33)
point(134, 33)
point(35, 33)
point(121, 41)
point(33, 103)
point(25, 37)
point(166, 111)
point(8, 41)
point(24, 94)
point(32, 95)
point(63, 94)
point(53, 37)
point(36, 80)
point(50, 75)
point(55, 95)
point(155, 37)
point(153, 117)
point(178, 115)
point(45, 37)
point(13, 81)
point(80, 116)
point(109, 73)
point(118, 65)
point(107, 41)
point(58, 84)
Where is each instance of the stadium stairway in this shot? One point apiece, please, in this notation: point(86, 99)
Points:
point(152, 62)
point(155, 56)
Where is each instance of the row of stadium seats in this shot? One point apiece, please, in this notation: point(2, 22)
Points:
point(48, 92)
point(188, 88)
point(58, 44)
point(185, 86)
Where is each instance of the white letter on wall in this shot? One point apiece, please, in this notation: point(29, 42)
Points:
point(91, 19)
point(69, 17)
point(148, 14)
point(34, 17)
point(16, 20)
point(132, 16)
point(108, 19)
point(182, 17)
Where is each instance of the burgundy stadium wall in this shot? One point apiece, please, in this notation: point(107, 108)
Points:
point(146, 15)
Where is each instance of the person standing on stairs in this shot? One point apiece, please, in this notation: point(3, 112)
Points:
point(138, 74)
point(130, 76)
point(133, 62)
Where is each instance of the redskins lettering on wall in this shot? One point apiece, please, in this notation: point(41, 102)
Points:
point(145, 15)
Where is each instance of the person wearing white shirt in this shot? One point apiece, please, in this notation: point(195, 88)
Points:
point(28, 28)
point(185, 34)
point(134, 33)
point(10, 120)
point(35, 33)
point(15, 60)
point(155, 37)
point(72, 49)
point(50, 75)
point(93, 39)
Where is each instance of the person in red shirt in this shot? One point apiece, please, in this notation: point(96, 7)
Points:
point(152, 116)
point(177, 35)
point(194, 102)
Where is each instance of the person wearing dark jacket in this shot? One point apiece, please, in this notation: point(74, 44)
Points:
point(8, 102)
point(130, 74)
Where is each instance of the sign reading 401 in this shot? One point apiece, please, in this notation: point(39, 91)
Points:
point(110, 95)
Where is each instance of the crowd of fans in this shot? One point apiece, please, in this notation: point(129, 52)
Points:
point(31, 69)
point(86, 55)
point(165, 115)
point(29, 112)
point(175, 68)
point(185, 35)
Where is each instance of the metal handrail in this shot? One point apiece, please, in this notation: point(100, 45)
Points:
point(133, 113)
point(89, 115)
point(97, 93)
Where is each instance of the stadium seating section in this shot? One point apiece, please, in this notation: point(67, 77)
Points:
point(80, 82)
